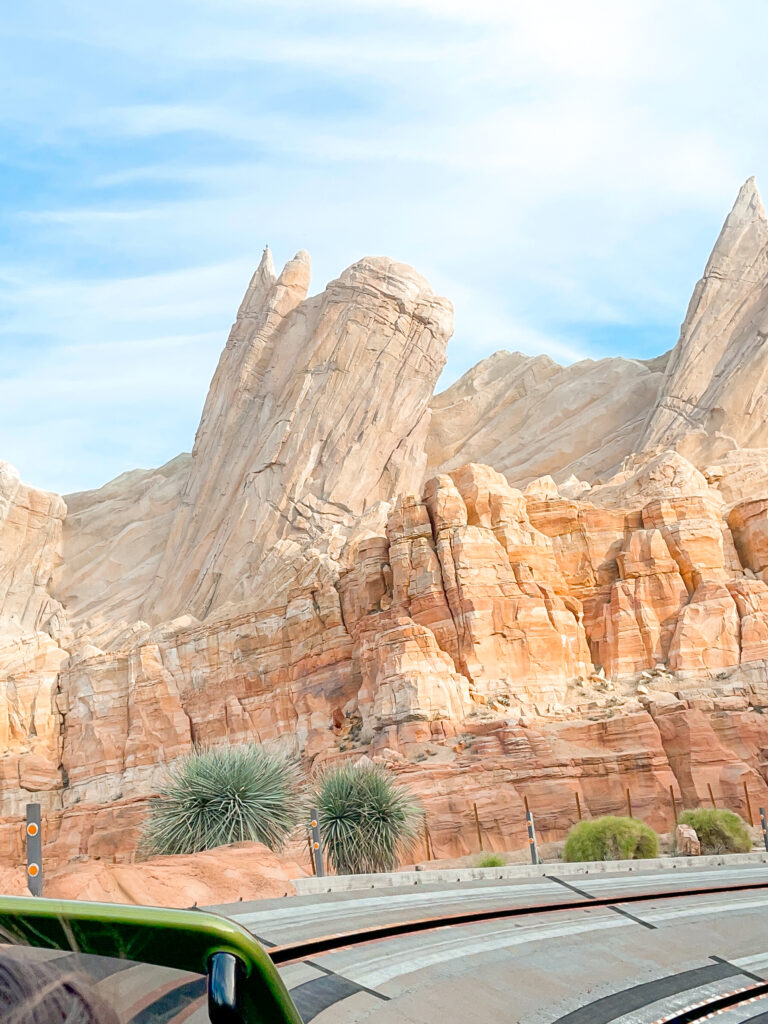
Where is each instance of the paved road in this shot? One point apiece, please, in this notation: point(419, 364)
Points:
point(631, 964)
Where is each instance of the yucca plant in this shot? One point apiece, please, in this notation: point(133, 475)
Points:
point(367, 821)
point(222, 795)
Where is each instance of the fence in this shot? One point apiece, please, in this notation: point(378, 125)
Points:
point(474, 835)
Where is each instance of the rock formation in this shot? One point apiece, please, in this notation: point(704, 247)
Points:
point(340, 566)
point(714, 395)
point(705, 400)
point(291, 450)
point(527, 417)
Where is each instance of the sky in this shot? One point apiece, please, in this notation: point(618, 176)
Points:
point(559, 170)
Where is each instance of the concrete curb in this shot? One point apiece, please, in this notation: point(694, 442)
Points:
point(346, 883)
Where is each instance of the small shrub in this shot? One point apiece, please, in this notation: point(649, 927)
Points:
point(491, 860)
point(218, 796)
point(367, 821)
point(719, 831)
point(611, 838)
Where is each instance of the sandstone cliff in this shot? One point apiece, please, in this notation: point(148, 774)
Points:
point(339, 565)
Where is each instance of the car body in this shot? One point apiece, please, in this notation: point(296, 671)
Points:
point(243, 985)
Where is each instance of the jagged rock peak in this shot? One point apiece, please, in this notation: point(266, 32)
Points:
point(716, 367)
point(265, 285)
point(743, 237)
point(262, 282)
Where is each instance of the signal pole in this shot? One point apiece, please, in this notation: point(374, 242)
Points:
point(34, 850)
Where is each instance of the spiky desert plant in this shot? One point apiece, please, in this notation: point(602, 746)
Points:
point(222, 795)
point(367, 820)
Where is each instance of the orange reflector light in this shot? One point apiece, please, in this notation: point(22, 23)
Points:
point(33, 870)
point(32, 829)
point(315, 846)
point(313, 824)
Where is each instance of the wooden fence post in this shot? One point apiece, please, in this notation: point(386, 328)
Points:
point(479, 831)
point(674, 804)
point(711, 794)
point(629, 803)
point(578, 806)
point(749, 805)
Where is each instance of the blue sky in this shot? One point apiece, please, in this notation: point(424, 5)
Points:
point(559, 170)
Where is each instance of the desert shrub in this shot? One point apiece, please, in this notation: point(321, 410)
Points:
point(223, 795)
point(719, 831)
point(490, 860)
point(367, 821)
point(611, 838)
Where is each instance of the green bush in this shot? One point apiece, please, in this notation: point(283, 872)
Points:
point(718, 831)
point(218, 796)
point(491, 860)
point(611, 838)
point(367, 821)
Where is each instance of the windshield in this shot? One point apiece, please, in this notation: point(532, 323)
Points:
point(139, 993)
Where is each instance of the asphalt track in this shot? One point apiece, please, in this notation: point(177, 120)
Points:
point(590, 950)
point(622, 963)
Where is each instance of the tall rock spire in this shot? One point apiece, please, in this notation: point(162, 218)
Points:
point(262, 283)
point(720, 335)
point(318, 409)
point(743, 236)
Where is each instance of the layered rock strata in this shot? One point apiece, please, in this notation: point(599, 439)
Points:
point(556, 641)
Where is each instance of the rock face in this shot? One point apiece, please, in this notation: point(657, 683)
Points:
point(32, 625)
point(340, 567)
point(31, 523)
point(526, 416)
point(112, 544)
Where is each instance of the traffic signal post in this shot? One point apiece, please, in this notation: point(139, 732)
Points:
point(317, 846)
point(34, 850)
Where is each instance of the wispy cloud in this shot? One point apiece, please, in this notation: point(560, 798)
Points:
point(558, 170)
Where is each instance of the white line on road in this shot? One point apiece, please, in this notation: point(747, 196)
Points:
point(406, 901)
point(374, 971)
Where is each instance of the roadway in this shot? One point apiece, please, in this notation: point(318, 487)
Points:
point(620, 964)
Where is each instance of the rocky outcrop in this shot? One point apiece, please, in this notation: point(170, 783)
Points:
point(476, 608)
point(32, 624)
